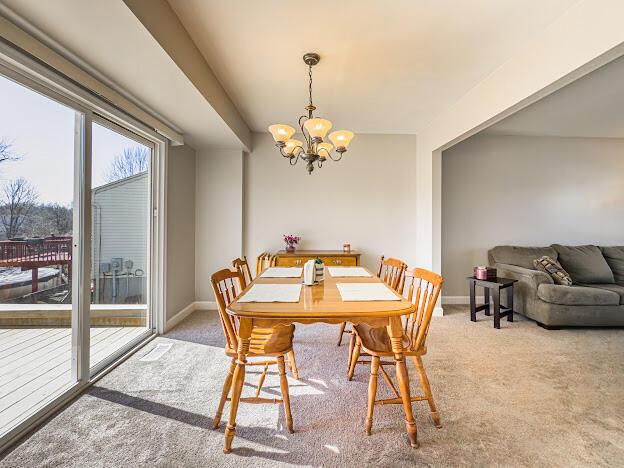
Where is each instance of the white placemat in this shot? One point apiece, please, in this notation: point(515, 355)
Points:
point(272, 293)
point(366, 292)
point(348, 271)
point(282, 272)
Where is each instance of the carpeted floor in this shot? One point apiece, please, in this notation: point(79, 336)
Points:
point(519, 396)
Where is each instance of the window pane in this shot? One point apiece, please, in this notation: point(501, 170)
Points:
point(36, 206)
point(121, 194)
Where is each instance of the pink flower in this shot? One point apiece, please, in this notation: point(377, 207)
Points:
point(291, 239)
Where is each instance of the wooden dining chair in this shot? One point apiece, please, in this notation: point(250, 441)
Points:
point(273, 342)
point(423, 290)
point(241, 265)
point(392, 272)
point(263, 262)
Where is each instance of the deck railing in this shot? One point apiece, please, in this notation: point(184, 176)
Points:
point(24, 253)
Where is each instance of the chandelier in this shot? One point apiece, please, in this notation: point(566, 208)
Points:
point(314, 130)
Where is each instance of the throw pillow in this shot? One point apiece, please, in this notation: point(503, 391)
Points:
point(552, 268)
point(585, 264)
point(615, 258)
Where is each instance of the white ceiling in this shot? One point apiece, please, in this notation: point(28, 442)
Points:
point(112, 41)
point(386, 67)
point(591, 107)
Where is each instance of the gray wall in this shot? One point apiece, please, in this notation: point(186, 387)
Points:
point(180, 229)
point(542, 190)
point(219, 215)
point(367, 199)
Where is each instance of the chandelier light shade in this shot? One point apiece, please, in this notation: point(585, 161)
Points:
point(317, 128)
point(293, 147)
point(324, 149)
point(281, 132)
point(341, 139)
point(314, 130)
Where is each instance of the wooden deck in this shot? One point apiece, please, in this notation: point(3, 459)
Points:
point(35, 365)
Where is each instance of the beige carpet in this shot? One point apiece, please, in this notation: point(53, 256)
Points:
point(519, 396)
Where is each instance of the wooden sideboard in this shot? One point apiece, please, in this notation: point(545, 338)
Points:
point(329, 257)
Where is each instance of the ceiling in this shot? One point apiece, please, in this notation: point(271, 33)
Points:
point(386, 66)
point(591, 107)
point(113, 44)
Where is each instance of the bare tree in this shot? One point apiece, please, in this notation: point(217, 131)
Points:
point(19, 199)
point(61, 219)
point(6, 152)
point(132, 161)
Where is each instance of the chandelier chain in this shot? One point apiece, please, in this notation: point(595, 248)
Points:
point(310, 85)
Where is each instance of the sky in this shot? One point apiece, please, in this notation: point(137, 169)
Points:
point(41, 132)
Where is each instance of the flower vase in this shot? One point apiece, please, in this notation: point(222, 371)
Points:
point(290, 248)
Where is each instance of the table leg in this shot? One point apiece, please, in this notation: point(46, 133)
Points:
point(496, 298)
point(395, 330)
point(486, 300)
point(510, 303)
point(244, 337)
point(351, 349)
point(473, 303)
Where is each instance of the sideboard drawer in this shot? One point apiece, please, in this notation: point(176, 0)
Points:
point(339, 261)
point(291, 261)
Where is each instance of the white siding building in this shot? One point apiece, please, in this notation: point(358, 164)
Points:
point(120, 239)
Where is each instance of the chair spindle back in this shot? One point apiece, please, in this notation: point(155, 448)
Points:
point(227, 285)
point(241, 265)
point(263, 262)
point(424, 288)
point(392, 272)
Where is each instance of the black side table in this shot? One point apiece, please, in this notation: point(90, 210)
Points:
point(495, 285)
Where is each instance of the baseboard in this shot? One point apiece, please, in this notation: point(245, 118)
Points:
point(461, 300)
point(205, 305)
point(177, 318)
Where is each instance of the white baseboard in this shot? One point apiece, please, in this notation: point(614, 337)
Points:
point(177, 318)
point(462, 300)
point(205, 305)
point(188, 310)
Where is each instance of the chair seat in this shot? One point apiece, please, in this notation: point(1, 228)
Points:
point(376, 341)
point(277, 340)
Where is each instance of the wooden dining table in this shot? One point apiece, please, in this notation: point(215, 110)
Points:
point(320, 303)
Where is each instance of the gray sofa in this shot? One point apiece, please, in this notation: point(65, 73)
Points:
point(596, 297)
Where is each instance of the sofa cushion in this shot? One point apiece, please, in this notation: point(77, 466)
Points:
point(553, 269)
point(519, 256)
point(615, 258)
point(577, 295)
point(616, 288)
point(584, 263)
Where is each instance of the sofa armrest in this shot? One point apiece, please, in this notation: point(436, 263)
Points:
point(532, 278)
point(525, 290)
